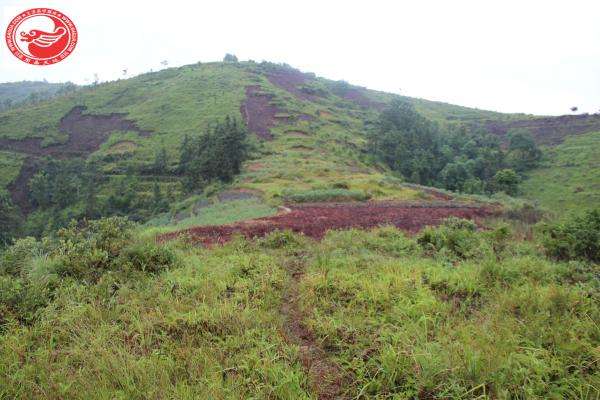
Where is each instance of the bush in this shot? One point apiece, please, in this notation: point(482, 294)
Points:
point(577, 238)
point(456, 237)
point(147, 257)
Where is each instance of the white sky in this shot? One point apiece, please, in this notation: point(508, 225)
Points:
point(529, 56)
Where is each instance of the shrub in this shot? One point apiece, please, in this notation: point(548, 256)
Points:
point(456, 237)
point(147, 257)
point(577, 238)
point(279, 239)
point(16, 256)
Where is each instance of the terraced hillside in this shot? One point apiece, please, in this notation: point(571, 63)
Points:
point(308, 132)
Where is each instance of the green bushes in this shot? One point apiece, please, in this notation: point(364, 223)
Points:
point(335, 194)
point(455, 237)
point(575, 238)
point(31, 270)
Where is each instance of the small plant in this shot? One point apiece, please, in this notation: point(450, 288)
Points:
point(575, 238)
point(456, 237)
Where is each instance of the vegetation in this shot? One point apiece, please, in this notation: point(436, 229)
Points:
point(457, 158)
point(575, 238)
point(568, 175)
point(479, 314)
point(17, 94)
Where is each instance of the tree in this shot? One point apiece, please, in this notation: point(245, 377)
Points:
point(186, 154)
point(523, 151)
point(507, 180)
point(230, 58)
point(9, 219)
point(159, 203)
point(407, 142)
point(160, 161)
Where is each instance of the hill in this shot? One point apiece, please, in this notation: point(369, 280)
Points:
point(270, 275)
point(308, 136)
point(18, 93)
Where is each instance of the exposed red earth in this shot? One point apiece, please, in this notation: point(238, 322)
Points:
point(86, 133)
point(315, 219)
point(548, 130)
point(258, 112)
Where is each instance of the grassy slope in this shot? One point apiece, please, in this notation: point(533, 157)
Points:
point(569, 177)
point(186, 100)
point(398, 323)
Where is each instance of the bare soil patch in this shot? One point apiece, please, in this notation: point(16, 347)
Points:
point(358, 97)
point(258, 112)
point(314, 220)
point(548, 130)
point(290, 79)
point(86, 133)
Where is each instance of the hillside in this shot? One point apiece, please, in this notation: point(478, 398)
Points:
point(569, 177)
point(289, 261)
point(308, 134)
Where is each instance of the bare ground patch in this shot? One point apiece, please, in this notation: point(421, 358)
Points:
point(314, 220)
point(258, 112)
point(548, 130)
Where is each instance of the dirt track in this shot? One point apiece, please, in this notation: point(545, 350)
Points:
point(314, 220)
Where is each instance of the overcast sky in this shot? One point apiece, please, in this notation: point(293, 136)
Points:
point(539, 57)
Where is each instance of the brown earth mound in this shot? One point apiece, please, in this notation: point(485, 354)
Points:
point(86, 134)
point(258, 112)
point(548, 130)
point(314, 220)
point(290, 79)
point(358, 97)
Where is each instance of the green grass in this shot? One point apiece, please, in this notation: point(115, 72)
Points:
point(214, 214)
point(10, 165)
point(569, 177)
point(399, 321)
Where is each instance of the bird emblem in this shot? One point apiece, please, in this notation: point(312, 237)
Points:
point(46, 44)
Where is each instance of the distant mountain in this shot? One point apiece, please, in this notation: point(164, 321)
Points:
point(16, 93)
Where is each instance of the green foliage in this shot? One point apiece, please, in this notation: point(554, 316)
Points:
point(523, 151)
point(407, 142)
point(457, 158)
point(230, 58)
point(334, 194)
point(515, 326)
point(10, 220)
point(216, 155)
point(507, 180)
point(575, 238)
point(455, 238)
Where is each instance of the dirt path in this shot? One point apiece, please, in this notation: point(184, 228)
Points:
point(325, 376)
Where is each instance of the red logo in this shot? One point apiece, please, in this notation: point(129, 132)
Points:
point(41, 36)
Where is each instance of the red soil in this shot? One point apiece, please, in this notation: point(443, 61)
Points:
point(258, 112)
point(86, 133)
point(314, 220)
point(290, 79)
point(548, 130)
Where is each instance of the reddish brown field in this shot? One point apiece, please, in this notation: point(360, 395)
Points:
point(314, 220)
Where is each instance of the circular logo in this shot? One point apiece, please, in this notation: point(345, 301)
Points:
point(41, 36)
